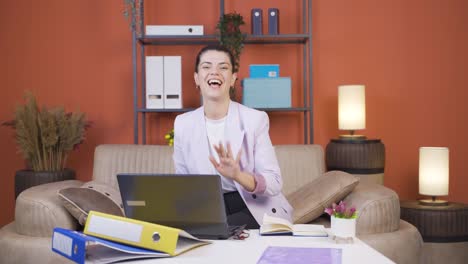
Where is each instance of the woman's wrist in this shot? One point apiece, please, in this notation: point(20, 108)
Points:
point(246, 180)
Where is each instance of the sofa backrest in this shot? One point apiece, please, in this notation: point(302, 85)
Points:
point(299, 164)
point(109, 160)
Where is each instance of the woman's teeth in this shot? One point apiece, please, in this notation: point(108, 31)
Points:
point(217, 82)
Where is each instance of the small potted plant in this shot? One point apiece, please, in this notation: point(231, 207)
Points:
point(231, 36)
point(132, 12)
point(45, 138)
point(343, 220)
point(169, 137)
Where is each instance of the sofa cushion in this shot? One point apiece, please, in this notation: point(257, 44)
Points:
point(38, 210)
point(378, 208)
point(403, 246)
point(91, 196)
point(16, 248)
point(310, 201)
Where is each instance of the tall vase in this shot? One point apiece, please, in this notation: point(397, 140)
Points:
point(342, 227)
point(25, 179)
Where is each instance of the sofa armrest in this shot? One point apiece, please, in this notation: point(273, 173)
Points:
point(38, 210)
point(378, 208)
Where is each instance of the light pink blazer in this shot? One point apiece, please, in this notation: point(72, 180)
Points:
point(245, 128)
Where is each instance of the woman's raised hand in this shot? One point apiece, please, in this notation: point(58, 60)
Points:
point(228, 166)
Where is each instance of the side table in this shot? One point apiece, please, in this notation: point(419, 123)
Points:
point(364, 158)
point(444, 230)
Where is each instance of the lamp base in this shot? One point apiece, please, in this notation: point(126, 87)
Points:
point(352, 137)
point(432, 202)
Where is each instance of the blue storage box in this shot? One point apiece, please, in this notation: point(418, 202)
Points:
point(266, 92)
point(264, 70)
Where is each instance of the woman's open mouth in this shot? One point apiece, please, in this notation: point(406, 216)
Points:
point(214, 83)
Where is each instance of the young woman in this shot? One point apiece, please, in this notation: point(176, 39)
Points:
point(226, 138)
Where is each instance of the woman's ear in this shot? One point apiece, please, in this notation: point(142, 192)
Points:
point(234, 78)
point(195, 77)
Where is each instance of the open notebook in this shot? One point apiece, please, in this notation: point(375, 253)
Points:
point(277, 226)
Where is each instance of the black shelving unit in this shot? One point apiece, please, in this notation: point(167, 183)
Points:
point(304, 39)
point(207, 39)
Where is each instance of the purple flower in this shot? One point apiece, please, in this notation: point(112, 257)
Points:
point(329, 211)
point(341, 208)
point(341, 211)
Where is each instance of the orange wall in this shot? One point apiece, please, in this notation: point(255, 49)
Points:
point(410, 54)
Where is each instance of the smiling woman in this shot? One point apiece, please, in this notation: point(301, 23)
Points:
point(215, 58)
point(214, 76)
point(225, 138)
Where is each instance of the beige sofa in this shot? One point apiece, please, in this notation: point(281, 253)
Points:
point(38, 209)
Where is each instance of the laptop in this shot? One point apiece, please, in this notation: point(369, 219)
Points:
point(193, 203)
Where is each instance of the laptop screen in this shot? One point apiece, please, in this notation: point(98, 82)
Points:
point(193, 203)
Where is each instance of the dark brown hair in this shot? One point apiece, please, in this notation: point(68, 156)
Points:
point(217, 48)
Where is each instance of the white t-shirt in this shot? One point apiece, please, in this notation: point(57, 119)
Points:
point(215, 132)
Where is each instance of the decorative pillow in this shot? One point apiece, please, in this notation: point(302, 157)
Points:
point(309, 201)
point(91, 196)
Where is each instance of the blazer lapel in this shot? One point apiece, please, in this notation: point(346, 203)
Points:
point(234, 131)
point(200, 145)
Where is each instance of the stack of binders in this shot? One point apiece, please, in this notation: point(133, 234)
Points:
point(108, 238)
point(163, 82)
point(265, 89)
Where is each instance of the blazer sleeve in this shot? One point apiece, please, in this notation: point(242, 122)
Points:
point(266, 171)
point(178, 156)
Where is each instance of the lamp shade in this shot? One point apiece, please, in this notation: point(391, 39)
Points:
point(351, 107)
point(433, 171)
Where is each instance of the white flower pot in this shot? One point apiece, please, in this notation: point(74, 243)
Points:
point(342, 227)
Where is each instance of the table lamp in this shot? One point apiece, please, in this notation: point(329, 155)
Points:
point(351, 110)
point(352, 153)
point(433, 174)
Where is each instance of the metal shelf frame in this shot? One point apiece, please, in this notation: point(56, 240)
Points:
point(305, 39)
point(208, 39)
point(182, 110)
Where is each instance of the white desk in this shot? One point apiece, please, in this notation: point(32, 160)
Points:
point(251, 249)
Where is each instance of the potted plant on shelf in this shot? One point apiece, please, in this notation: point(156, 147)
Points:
point(231, 37)
point(45, 138)
point(343, 220)
point(132, 11)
